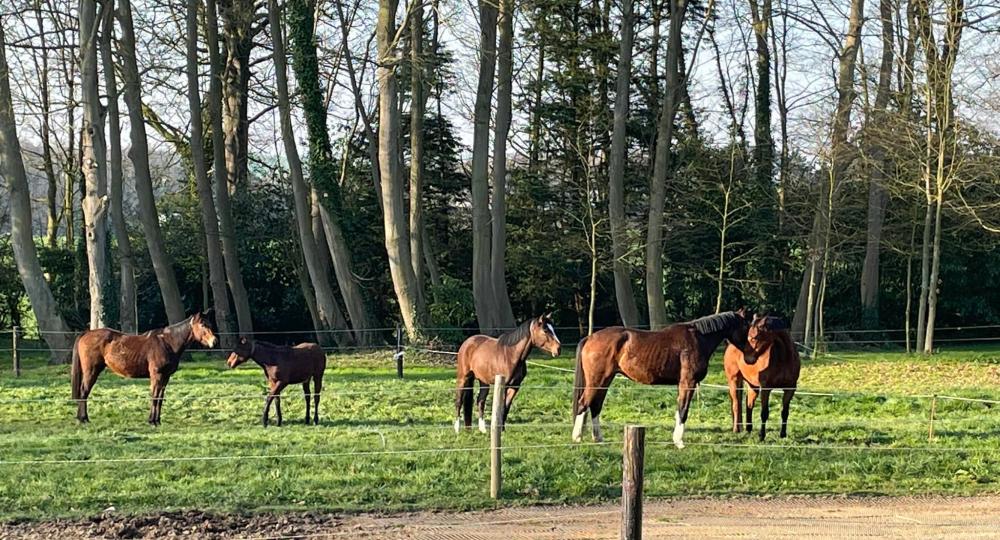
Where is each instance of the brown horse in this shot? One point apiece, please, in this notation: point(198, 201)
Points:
point(776, 366)
point(154, 355)
point(484, 357)
point(677, 354)
point(284, 366)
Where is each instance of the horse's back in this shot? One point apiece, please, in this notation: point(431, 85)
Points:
point(654, 357)
point(311, 354)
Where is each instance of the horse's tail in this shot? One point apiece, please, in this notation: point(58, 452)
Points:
point(578, 379)
point(76, 371)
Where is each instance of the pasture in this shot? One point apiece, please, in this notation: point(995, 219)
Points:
point(385, 444)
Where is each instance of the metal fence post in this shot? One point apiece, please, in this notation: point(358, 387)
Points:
point(15, 353)
point(399, 351)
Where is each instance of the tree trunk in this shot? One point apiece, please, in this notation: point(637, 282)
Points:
point(224, 89)
point(321, 165)
point(661, 171)
point(209, 216)
point(127, 309)
point(95, 168)
point(50, 322)
point(51, 203)
point(624, 294)
point(396, 243)
point(498, 247)
point(763, 150)
point(877, 196)
point(139, 154)
point(482, 282)
point(330, 314)
point(418, 102)
point(840, 160)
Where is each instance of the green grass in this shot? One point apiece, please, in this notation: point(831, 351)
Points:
point(871, 438)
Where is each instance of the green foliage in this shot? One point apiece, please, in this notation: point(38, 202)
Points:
point(451, 306)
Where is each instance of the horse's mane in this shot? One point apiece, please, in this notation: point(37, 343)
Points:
point(711, 324)
point(509, 339)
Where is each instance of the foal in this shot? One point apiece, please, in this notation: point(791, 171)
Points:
point(284, 366)
point(484, 357)
point(775, 366)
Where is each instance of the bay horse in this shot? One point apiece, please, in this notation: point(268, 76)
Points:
point(154, 355)
point(776, 366)
point(283, 366)
point(483, 357)
point(675, 355)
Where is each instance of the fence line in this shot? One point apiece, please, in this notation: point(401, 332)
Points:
point(303, 455)
point(409, 389)
point(831, 447)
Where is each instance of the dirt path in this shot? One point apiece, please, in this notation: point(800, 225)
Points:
point(925, 517)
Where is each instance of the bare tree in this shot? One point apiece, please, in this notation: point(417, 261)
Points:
point(396, 242)
point(329, 313)
point(482, 282)
point(624, 294)
point(50, 322)
point(877, 195)
point(418, 102)
point(662, 170)
point(209, 216)
point(127, 309)
point(227, 87)
point(95, 173)
point(498, 248)
point(139, 154)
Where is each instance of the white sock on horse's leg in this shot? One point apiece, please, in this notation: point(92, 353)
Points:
point(595, 424)
point(578, 426)
point(458, 424)
point(678, 430)
point(482, 425)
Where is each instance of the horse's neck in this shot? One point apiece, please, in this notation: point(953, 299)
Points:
point(263, 355)
point(708, 343)
point(178, 337)
point(520, 350)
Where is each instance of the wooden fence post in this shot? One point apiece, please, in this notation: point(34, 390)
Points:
point(399, 351)
point(15, 353)
point(632, 466)
point(930, 428)
point(495, 430)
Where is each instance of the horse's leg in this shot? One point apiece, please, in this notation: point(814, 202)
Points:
point(685, 392)
point(267, 401)
point(736, 401)
point(751, 399)
point(157, 381)
point(463, 399)
point(786, 400)
point(765, 400)
point(508, 401)
point(317, 387)
point(277, 401)
point(305, 392)
point(87, 382)
point(595, 389)
point(484, 392)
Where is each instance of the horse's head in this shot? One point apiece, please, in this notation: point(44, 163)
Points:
point(203, 329)
point(543, 335)
point(241, 353)
point(762, 333)
point(739, 336)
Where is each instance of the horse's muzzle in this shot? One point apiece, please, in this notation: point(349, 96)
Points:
point(749, 359)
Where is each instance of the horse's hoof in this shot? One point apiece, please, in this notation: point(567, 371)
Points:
point(482, 426)
point(458, 426)
point(679, 444)
point(578, 439)
point(598, 439)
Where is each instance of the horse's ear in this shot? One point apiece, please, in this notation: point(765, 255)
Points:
point(742, 312)
point(208, 313)
point(243, 340)
point(548, 316)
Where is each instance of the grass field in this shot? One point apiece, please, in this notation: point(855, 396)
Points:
point(870, 438)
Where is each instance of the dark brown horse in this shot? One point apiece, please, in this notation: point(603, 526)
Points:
point(776, 366)
point(153, 355)
point(677, 354)
point(484, 357)
point(283, 366)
